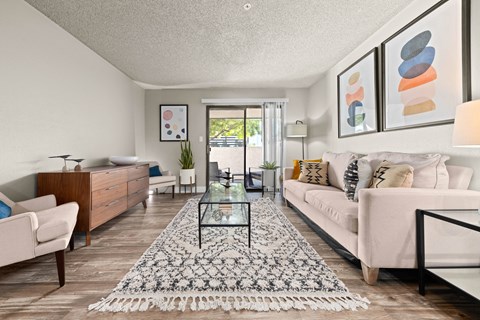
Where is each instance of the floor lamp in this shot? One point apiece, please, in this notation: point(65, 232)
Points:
point(466, 129)
point(298, 130)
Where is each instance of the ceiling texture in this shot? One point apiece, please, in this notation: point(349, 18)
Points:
point(219, 43)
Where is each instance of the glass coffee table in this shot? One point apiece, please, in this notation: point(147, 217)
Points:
point(224, 207)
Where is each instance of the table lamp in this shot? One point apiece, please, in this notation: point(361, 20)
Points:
point(298, 130)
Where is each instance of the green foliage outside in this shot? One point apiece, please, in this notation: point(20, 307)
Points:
point(234, 127)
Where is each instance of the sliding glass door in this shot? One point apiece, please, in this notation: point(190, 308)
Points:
point(235, 143)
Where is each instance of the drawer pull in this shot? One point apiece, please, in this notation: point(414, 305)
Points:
point(140, 179)
point(112, 187)
point(112, 203)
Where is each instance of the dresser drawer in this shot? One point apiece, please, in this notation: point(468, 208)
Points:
point(107, 195)
point(137, 184)
point(138, 172)
point(137, 197)
point(106, 212)
point(105, 179)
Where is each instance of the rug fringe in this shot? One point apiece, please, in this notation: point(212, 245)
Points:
point(230, 302)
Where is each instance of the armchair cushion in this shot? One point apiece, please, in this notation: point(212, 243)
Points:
point(155, 171)
point(52, 229)
point(5, 210)
point(17, 209)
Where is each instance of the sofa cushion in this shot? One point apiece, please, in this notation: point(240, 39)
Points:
point(314, 172)
point(334, 206)
point(389, 175)
point(297, 167)
point(300, 188)
point(357, 176)
point(430, 170)
point(337, 164)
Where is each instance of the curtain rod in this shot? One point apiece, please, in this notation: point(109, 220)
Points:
point(242, 101)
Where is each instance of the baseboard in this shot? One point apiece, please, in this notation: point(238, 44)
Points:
point(337, 247)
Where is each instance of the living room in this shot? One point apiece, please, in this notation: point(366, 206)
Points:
point(59, 96)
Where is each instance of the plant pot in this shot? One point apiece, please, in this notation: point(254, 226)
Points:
point(186, 174)
point(268, 177)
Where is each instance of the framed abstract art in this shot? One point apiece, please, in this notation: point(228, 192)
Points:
point(357, 97)
point(173, 122)
point(426, 68)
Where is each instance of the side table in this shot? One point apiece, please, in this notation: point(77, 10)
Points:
point(465, 278)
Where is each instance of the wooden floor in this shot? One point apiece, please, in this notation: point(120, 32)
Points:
point(29, 290)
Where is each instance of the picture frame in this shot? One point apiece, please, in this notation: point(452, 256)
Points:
point(357, 97)
point(426, 68)
point(173, 122)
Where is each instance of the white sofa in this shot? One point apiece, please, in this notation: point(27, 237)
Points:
point(379, 229)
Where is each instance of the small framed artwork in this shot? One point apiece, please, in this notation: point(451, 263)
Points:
point(357, 94)
point(427, 68)
point(173, 122)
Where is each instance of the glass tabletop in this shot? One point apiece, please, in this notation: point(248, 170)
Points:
point(471, 217)
point(217, 193)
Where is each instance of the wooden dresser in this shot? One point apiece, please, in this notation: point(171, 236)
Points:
point(101, 192)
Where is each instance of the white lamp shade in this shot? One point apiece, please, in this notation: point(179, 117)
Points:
point(296, 130)
point(466, 130)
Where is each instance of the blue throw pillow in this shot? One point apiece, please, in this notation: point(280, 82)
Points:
point(155, 171)
point(5, 211)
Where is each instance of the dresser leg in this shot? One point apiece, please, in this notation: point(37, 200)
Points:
point(144, 202)
point(88, 239)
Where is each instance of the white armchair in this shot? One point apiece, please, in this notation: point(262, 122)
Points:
point(165, 180)
point(37, 227)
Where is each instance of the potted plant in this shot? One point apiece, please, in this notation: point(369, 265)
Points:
point(269, 172)
point(187, 166)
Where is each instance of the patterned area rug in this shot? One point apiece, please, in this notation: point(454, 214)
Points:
point(280, 271)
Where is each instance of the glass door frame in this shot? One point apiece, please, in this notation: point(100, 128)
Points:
point(244, 108)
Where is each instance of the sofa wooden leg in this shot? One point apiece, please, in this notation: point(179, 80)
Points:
point(370, 275)
point(60, 257)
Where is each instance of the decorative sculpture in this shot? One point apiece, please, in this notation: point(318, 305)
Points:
point(78, 167)
point(64, 157)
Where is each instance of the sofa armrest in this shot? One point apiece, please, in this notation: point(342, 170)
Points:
point(40, 203)
point(386, 221)
point(17, 238)
point(287, 173)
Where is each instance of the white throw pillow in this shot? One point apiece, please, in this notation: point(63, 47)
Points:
point(337, 164)
point(430, 170)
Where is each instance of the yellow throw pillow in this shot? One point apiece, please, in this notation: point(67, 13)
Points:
point(297, 167)
point(314, 172)
point(389, 175)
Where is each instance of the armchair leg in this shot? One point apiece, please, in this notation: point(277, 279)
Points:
point(60, 257)
point(173, 192)
point(72, 242)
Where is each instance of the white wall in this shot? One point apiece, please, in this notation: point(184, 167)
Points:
point(58, 97)
point(322, 107)
point(167, 153)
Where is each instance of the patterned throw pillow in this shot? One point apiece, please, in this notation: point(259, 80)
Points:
point(357, 176)
point(314, 172)
point(389, 175)
point(297, 167)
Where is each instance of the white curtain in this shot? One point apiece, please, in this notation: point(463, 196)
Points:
point(272, 133)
